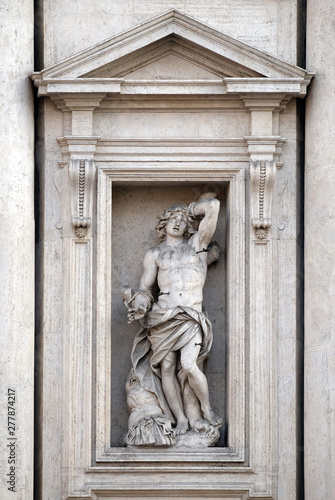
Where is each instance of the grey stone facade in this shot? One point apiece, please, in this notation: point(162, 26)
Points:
point(139, 105)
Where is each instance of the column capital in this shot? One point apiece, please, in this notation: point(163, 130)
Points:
point(266, 148)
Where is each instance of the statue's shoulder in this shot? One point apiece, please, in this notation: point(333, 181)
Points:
point(152, 255)
point(155, 250)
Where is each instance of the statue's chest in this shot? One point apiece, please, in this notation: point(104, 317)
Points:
point(177, 257)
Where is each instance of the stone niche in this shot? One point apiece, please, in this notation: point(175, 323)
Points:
point(134, 206)
point(154, 116)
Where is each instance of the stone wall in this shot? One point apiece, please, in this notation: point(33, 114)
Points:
point(156, 103)
point(17, 251)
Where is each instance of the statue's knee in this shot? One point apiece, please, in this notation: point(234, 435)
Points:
point(168, 367)
point(189, 367)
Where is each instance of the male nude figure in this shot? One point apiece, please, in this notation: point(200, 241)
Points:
point(180, 267)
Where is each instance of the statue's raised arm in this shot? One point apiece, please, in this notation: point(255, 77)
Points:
point(208, 208)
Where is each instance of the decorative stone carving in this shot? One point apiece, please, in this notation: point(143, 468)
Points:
point(167, 391)
point(262, 176)
point(81, 176)
point(264, 153)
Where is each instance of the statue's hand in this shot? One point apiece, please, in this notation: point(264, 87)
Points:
point(197, 209)
point(134, 314)
point(137, 303)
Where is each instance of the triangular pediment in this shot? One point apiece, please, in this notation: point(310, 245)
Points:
point(172, 34)
point(172, 57)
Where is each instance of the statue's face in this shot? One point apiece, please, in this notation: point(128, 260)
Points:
point(177, 224)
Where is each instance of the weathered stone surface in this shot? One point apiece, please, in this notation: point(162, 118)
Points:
point(272, 29)
point(17, 252)
point(319, 254)
point(169, 109)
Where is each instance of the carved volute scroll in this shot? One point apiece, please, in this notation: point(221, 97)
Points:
point(81, 177)
point(262, 177)
point(264, 154)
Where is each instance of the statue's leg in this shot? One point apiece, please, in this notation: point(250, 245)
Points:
point(197, 380)
point(172, 391)
point(193, 411)
point(191, 404)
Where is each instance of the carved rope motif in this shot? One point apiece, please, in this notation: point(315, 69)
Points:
point(81, 177)
point(262, 176)
point(81, 188)
point(262, 173)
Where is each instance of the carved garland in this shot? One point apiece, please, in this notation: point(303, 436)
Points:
point(81, 177)
point(262, 176)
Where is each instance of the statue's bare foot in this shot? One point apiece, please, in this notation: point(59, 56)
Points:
point(201, 425)
point(181, 427)
point(213, 418)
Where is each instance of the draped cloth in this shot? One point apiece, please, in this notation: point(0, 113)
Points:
point(166, 330)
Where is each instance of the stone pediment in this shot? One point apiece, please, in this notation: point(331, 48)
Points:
point(165, 55)
point(172, 53)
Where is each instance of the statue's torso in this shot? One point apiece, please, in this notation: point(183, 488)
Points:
point(181, 276)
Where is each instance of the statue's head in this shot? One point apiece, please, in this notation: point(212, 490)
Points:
point(164, 218)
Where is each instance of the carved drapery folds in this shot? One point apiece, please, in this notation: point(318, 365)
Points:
point(262, 177)
point(81, 177)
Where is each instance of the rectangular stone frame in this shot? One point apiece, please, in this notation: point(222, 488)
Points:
point(92, 469)
point(236, 310)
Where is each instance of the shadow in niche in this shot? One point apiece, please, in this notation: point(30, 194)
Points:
point(135, 210)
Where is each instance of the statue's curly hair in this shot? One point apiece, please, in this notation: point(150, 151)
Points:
point(164, 218)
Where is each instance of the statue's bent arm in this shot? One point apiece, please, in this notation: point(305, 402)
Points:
point(208, 208)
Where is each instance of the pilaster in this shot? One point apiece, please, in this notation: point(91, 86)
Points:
point(17, 252)
point(319, 257)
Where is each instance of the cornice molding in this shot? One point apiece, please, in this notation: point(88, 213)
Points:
point(250, 90)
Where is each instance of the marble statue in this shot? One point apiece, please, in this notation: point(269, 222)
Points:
point(167, 391)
